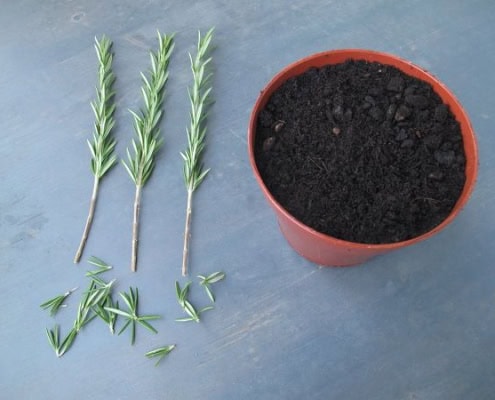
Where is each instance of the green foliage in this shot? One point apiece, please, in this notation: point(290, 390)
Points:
point(103, 145)
point(101, 266)
point(56, 303)
point(206, 282)
point(199, 98)
point(131, 316)
point(160, 352)
point(189, 309)
point(140, 165)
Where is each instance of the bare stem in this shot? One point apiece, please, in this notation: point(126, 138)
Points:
point(187, 232)
point(135, 228)
point(89, 220)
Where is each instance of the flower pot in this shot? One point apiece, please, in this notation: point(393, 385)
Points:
point(327, 250)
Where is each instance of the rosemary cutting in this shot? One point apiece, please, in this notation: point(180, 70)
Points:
point(160, 352)
point(131, 300)
point(146, 124)
point(199, 97)
point(103, 144)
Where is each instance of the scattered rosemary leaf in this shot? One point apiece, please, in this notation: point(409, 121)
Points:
point(97, 292)
point(132, 318)
point(206, 281)
point(182, 293)
point(101, 265)
point(54, 339)
point(67, 342)
point(108, 317)
point(54, 304)
point(160, 352)
point(84, 317)
point(189, 309)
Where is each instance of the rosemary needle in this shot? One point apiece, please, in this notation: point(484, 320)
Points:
point(206, 281)
point(92, 304)
point(189, 309)
point(108, 317)
point(55, 303)
point(101, 266)
point(160, 352)
point(60, 347)
point(103, 144)
point(131, 316)
point(199, 97)
point(141, 164)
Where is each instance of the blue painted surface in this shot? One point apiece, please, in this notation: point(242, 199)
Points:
point(415, 324)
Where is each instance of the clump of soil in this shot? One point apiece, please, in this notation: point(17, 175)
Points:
point(362, 152)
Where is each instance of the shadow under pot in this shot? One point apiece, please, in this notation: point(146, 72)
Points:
point(360, 153)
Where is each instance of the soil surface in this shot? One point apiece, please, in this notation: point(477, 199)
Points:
point(362, 152)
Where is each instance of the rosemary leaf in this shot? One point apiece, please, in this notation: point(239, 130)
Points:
point(199, 97)
point(140, 165)
point(209, 293)
point(67, 342)
point(187, 319)
point(215, 277)
point(206, 281)
point(208, 308)
point(147, 325)
point(131, 316)
point(108, 317)
point(56, 303)
point(119, 312)
point(98, 291)
point(160, 353)
point(53, 337)
point(84, 317)
point(101, 265)
point(103, 144)
point(189, 309)
point(125, 326)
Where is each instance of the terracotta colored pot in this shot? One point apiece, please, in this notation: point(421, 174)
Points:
point(326, 250)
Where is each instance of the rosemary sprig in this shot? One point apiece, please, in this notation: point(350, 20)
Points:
point(141, 164)
point(190, 310)
point(160, 352)
point(206, 281)
point(103, 144)
point(199, 97)
point(101, 266)
point(131, 300)
point(55, 303)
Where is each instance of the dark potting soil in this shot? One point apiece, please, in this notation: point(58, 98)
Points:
point(362, 152)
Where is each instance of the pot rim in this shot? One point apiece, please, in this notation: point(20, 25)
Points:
point(300, 66)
